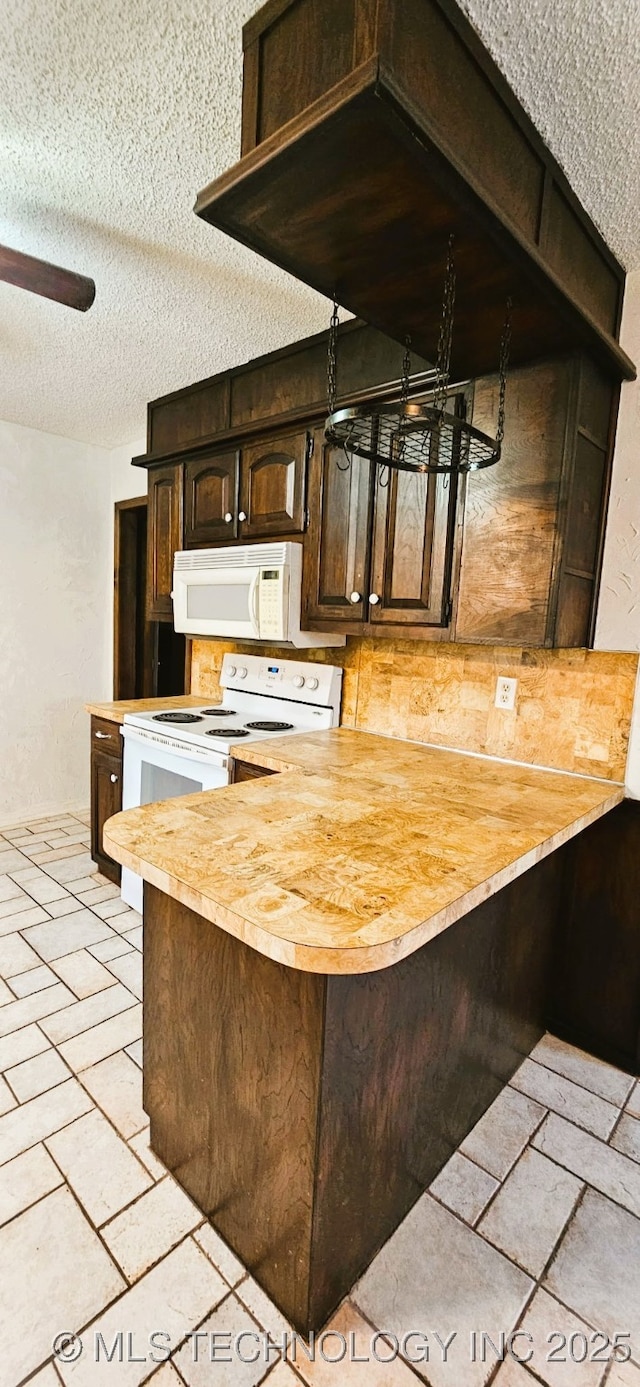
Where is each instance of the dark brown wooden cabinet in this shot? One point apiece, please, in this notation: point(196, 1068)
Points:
point(211, 498)
point(164, 536)
point(337, 562)
point(106, 788)
point(273, 485)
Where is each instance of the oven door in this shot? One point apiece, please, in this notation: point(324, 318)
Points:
point(155, 770)
point(217, 602)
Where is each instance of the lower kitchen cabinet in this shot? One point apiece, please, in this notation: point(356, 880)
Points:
point(106, 789)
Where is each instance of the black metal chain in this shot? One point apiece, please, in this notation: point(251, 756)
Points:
point(332, 358)
point(505, 347)
point(445, 339)
point(406, 370)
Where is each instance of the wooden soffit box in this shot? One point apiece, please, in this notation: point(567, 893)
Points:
point(371, 132)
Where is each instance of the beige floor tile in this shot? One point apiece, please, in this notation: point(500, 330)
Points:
point(128, 968)
point(591, 1160)
point(115, 906)
point(11, 860)
point(25, 984)
point(40, 1117)
point(116, 1086)
point(150, 1228)
point(349, 1335)
point(499, 1137)
point(23, 919)
point(528, 1215)
point(464, 1187)
point(512, 1374)
point(7, 1099)
point(46, 890)
point(26, 1179)
point(94, 894)
point(584, 1069)
point(624, 1375)
point(8, 888)
point(36, 1075)
point(135, 1052)
point(72, 868)
point(134, 937)
point(83, 973)
point(140, 1144)
point(18, 1014)
point(569, 1100)
point(84, 884)
point(545, 1321)
point(269, 1317)
point(16, 956)
point(6, 995)
point(91, 1046)
point(175, 1296)
point(125, 922)
point(21, 1045)
point(82, 1016)
point(104, 1175)
point(435, 1271)
point(65, 935)
point(47, 856)
point(113, 947)
point(633, 1102)
point(68, 905)
point(222, 1257)
point(230, 1318)
point(626, 1137)
point(41, 1294)
point(47, 1377)
point(596, 1270)
point(16, 904)
point(168, 1377)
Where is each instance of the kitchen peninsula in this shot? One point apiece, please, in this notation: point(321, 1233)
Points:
point(344, 963)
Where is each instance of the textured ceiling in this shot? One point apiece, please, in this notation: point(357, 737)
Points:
point(114, 114)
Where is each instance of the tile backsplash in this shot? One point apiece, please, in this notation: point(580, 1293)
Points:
point(573, 707)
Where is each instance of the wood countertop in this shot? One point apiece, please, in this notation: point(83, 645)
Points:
point(360, 851)
point(115, 712)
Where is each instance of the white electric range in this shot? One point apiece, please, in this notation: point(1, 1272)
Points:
point(179, 752)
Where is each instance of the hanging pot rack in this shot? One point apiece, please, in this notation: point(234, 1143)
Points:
point(410, 436)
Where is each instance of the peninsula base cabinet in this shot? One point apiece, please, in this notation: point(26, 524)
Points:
point(106, 789)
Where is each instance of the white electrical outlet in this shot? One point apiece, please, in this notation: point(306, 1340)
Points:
point(506, 690)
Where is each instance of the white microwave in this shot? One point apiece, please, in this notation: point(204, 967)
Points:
point(245, 592)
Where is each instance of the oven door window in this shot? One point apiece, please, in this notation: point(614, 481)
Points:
point(156, 782)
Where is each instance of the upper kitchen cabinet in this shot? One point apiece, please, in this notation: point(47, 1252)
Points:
point(273, 485)
point(164, 536)
point(211, 498)
point(372, 129)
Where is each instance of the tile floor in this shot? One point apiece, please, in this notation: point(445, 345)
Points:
point(531, 1230)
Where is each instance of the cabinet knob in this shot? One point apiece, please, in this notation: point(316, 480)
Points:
point(355, 597)
point(242, 515)
point(113, 779)
point(228, 517)
point(373, 599)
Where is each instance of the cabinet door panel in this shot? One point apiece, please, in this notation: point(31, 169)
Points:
point(340, 508)
point(106, 799)
point(164, 536)
point(273, 486)
point(211, 499)
point(412, 548)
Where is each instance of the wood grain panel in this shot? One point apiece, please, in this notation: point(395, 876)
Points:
point(232, 1052)
point(572, 253)
point(306, 50)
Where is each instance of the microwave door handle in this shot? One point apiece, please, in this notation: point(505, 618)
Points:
point(254, 604)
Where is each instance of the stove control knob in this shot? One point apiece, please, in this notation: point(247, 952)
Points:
point(312, 683)
point(231, 671)
point(298, 682)
point(242, 672)
point(373, 599)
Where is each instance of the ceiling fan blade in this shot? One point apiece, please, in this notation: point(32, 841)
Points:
point(52, 282)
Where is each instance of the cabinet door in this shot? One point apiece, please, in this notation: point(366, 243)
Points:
point(106, 799)
point(412, 549)
point(211, 499)
point(338, 555)
point(164, 536)
point(273, 485)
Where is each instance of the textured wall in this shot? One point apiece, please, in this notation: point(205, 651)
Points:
point(573, 710)
point(55, 579)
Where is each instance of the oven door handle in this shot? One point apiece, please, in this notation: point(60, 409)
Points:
point(254, 605)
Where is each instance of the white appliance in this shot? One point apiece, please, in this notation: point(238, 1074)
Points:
point(248, 592)
point(179, 752)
